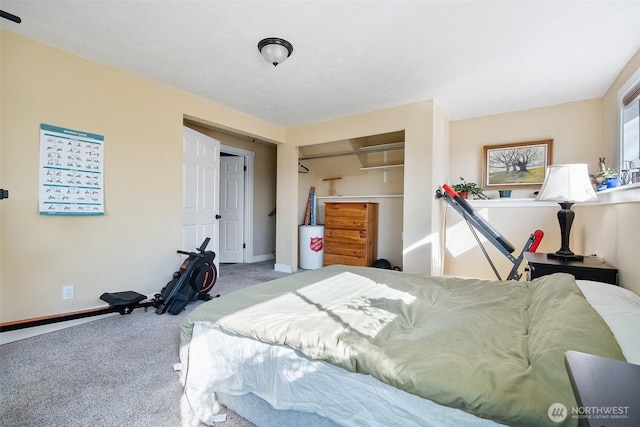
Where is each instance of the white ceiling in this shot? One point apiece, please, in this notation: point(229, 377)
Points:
point(473, 58)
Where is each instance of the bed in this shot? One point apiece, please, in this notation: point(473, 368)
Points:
point(361, 346)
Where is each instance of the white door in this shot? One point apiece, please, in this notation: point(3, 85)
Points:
point(200, 190)
point(232, 173)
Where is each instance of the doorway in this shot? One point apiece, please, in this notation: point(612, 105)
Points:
point(256, 240)
point(236, 205)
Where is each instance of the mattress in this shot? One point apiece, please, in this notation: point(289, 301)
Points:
point(287, 379)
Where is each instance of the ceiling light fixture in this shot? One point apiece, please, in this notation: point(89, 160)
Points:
point(275, 50)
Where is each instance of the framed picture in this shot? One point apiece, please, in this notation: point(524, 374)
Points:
point(516, 165)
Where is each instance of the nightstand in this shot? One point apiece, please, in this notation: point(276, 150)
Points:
point(607, 391)
point(590, 268)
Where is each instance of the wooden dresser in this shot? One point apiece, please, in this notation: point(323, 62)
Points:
point(350, 233)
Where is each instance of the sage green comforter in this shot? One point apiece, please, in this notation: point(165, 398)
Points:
point(491, 348)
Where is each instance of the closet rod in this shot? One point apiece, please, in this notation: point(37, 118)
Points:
point(365, 150)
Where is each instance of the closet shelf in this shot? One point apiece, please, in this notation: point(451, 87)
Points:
point(383, 167)
point(383, 147)
point(369, 196)
point(380, 148)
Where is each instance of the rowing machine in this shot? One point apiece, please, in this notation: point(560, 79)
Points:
point(194, 280)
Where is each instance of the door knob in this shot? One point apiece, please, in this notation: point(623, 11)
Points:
point(218, 216)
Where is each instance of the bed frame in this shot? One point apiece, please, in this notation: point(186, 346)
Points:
point(260, 412)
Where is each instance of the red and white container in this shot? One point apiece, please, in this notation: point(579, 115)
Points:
point(311, 246)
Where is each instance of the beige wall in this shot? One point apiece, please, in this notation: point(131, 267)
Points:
point(441, 162)
point(611, 126)
point(131, 247)
point(463, 256)
point(576, 130)
point(582, 132)
point(418, 120)
point(614, 230)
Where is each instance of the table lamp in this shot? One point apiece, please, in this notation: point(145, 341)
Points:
point(566, 184)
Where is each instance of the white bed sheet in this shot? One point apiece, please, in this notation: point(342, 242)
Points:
point(620, 309)
point(289, 380)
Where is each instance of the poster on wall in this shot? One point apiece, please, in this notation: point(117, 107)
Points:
point(71, 172)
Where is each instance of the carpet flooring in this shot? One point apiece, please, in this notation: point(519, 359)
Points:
point(116, 371)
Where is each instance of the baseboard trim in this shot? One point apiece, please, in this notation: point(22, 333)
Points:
point(21, 334)
point(260, 258)
point(283, 268)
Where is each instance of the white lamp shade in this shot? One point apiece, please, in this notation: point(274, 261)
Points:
point(274, 53)
point(567, 183)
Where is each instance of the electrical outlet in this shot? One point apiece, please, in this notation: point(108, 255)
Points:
point(67, 292)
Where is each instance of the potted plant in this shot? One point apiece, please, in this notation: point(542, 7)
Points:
point(608, 177)
point(464, 189)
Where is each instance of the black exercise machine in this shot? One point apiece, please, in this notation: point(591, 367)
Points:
point(477, 222)
point(192, 281)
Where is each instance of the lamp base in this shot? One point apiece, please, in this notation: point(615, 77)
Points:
point(565, 257)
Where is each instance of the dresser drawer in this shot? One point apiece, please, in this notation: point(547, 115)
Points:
point(341, 248)
point(350, 233)
point(344, 236)
point(348, 223)
point(349, 210)
point(330, 259)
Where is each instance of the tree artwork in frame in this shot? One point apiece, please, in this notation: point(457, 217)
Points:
point(516, 165)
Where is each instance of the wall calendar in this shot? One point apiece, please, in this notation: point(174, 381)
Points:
point(71, 172)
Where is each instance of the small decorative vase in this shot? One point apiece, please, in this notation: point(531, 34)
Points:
point(504, 194)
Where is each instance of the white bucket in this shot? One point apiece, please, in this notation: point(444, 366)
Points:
point(311, 246)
